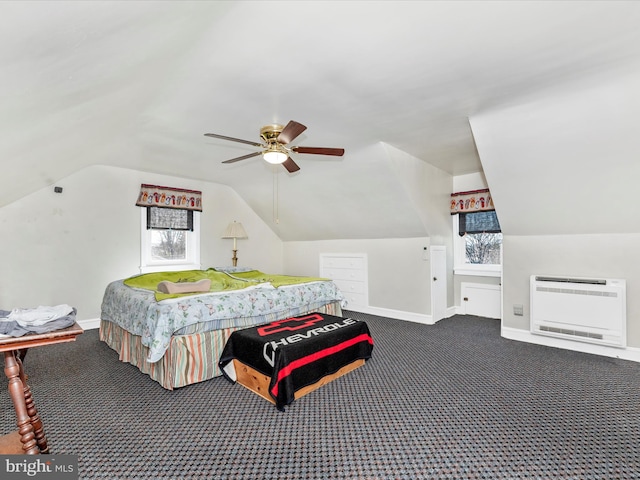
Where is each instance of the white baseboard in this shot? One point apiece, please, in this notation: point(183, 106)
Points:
point(629, 353)
point(89, 324)
point(451, 311)
point(397, 314)
point(402, 315)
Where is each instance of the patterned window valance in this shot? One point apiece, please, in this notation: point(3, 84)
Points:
point(473, 201)
point(168, 197)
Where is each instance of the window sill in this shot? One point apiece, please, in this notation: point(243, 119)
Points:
point(479, 272)
point(169, 267)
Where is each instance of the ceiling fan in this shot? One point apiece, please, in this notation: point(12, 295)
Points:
point(275, 148)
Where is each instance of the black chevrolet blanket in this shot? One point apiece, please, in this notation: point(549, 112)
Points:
point(298, 351)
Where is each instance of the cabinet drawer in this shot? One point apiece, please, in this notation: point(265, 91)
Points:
point(346, 286)
point(343, 274)
point(355, 300)
point(356, 263)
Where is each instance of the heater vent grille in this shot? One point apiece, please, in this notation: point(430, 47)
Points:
point(575, 291)
point(581, 309)
point(564, 331)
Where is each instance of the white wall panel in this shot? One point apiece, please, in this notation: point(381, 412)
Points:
point(66, 247)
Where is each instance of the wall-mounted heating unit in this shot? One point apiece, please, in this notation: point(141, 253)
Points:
point(584, 309)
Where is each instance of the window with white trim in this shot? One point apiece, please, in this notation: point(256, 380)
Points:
point(477, 244)
point(170, 239)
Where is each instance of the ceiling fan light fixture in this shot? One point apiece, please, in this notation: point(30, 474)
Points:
point(275, 157)
point(275, 147)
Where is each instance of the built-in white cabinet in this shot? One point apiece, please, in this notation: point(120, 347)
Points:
point(349, 272)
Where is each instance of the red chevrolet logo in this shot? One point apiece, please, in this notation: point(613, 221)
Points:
point(289, 324)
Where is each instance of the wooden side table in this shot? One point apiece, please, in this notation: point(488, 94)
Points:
point(29, 438)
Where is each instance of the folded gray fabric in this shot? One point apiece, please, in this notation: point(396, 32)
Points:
point(26, 317)
point(19, 331)
point(7, 326)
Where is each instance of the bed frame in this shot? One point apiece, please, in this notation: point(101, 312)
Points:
point(258, 383)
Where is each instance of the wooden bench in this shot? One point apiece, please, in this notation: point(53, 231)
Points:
point(287, 359)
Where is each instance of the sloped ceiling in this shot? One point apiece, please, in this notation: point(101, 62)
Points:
point(137, 84)
point(582, 150)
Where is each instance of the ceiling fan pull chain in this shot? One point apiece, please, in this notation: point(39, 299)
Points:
point(276, 213)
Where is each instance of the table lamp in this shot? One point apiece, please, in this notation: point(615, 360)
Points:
point(235, 230)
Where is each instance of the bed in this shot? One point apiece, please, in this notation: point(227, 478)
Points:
point(177, 339)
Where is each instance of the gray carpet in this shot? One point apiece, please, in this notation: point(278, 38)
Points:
point(448, 401)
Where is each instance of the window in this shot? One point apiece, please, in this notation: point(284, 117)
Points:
point(170, 239)
point(477, 244)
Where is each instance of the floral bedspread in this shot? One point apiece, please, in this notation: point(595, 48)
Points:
point(138, 312)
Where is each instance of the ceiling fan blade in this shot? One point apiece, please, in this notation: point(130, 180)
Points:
point(244, 157)
point(337, 152)
point(291, 131)
point(223, 137)
point(290, 165)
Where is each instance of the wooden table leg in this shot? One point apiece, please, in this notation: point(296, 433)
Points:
point(22, 353)
point(38, 428)
point(16, 390)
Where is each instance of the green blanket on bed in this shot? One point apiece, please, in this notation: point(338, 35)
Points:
point(220, 281)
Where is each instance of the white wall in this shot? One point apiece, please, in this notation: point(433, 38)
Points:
point(399, 278)
point(429, 191)
point(469, 182)
point(563, 170)
point(66, 248)
point(599, 256)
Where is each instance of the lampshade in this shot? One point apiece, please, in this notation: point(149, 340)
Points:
point(235, 230)
point(275, 157)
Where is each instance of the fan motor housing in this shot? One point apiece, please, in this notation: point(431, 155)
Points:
point(270, 132)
